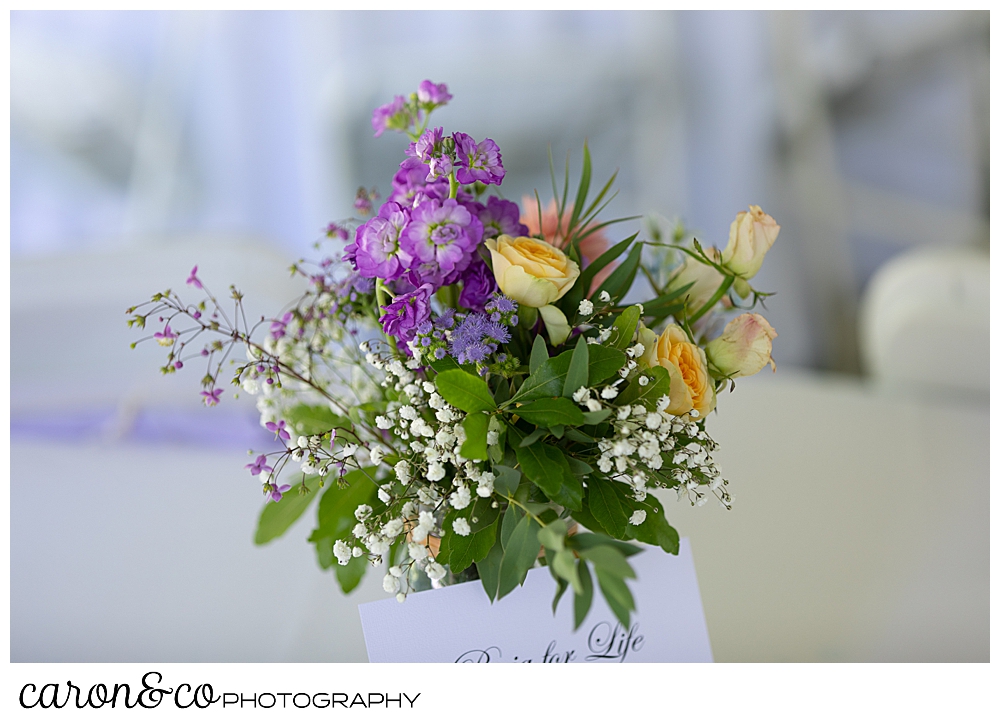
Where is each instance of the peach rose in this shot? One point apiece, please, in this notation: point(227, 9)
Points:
point(750, 237)
point(690, 385)
point(744, 348)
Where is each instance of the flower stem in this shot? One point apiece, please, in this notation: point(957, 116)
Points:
point(381, 294)
point(720, 292)
point(452, 185)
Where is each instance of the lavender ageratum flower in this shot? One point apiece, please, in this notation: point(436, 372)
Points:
point(412, 180)
point(476, 338)
point(477, 162)
point(407, 312)
point(441, 234)
point(377, 241)
point(501, 217)
point(430, 93)
point(478, 285)
point(392, 116)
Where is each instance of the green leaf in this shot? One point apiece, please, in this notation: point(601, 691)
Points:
point(578, 467)
point(539, 353)
point(620, 280)
point(561, 586)
point(654, 307)
point(655, 530)
point(337, 506)
point(550, 378)
point(519, 555)
point(532, 438)
point(475, 425)
point(588, 540)
point(577, 374)
point(553, 535)
point(609, 506)
point(607, 559)
point(466, 391)
point(507, 480)
point(349, 575)
point(550, 412)
point(565, 566)
point(617, 595)
point(658, 386)
point(489, 570)
point(583, 598)
point(277, 517)
point(461, 551)
point(444, 364)
point(581, 289)
point(581, 194)
point(596, 417)
point(511, 516)
point(309, 419)
point(624, 328)
point(546, 466)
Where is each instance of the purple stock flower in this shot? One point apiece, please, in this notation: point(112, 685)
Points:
point(436, 94)
point(477, 162)
point(376, 253)
point(211, 398)
point(279, 429)
point(407, 312)
point(478, 285)
point(277, 491)
point(411, 180)
point(442, 237)
point(193, 279)
point(259, 465)
point(501, 217)
point(392, 116)
point(428, 145)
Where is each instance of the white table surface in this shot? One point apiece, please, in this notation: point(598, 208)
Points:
point(860, 533)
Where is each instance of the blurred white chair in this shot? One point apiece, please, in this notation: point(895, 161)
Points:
point(925, 322)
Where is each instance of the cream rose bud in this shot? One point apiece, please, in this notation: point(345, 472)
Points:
point(750, 236)
point(744, 348)
point(531, 272)
point(706, 280)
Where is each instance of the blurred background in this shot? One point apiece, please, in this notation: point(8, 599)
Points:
point(143, 143)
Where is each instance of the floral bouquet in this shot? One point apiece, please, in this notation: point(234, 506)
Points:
point(464, 387)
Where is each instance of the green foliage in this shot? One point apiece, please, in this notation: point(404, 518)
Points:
point(624, 328)
point(549, 379)
point(551, 412)
point(650, 394)
point(519, 555)
point(277, 517)
point(476, 424)
point(489, 570)
point(466, 391)
point(620, 280)
point(583, 599)
point(507, 480)
point(581, 288)
point(458, 551)
point(547, 467)
point(577, 374)
point(349, 576)
point(313, 419)
point(539, 353)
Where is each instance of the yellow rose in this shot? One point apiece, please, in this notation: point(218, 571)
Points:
point(531, 272)
point(647, 337)
point(690, 385)
point(706, 280)
point(750, 236)
point(744, 348)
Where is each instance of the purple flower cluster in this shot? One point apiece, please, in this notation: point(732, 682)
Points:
point(427, 233)
point(477, 337)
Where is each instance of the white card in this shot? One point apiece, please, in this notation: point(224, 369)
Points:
point(458, 624)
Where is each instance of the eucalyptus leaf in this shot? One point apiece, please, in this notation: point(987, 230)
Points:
point(533, 437)
point(547, 467)
point(507, 480)
point(584, 597)
point(565, 566)
point(461, 551)
point(489, 570)
point(616, 594)
point(553, 536)
point(623, 328)
point(596, 417)
point(607, 559)
point(519, 555)
point(511, 516)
